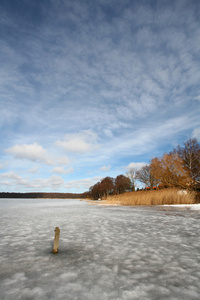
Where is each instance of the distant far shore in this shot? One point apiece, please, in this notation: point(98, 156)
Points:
point(39, 195)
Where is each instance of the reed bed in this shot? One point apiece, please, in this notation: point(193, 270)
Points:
point(158, 197)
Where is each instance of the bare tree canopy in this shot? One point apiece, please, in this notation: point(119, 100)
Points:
point(102, 188)
point(145, 176)
point(108, 185)
point(122, 184)
point(190, 155)
point(132, 176)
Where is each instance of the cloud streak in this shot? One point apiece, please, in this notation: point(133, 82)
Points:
point(16, 182)
point(83, 142)
point(61, 170)
point(88, 85)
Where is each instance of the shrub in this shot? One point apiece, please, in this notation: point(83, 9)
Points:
point(157, 197)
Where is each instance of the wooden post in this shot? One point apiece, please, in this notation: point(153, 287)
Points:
point(56, 240)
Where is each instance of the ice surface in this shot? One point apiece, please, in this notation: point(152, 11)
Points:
point(105, 252)
point(189, 206)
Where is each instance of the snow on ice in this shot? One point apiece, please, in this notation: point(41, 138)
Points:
point(104, 252)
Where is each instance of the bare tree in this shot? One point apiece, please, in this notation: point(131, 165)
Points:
point(122, 184)
point(145, 176)
point(190, 155)
point(107, 185)
point(95, 190)
point(131, 174)
point(102, 188)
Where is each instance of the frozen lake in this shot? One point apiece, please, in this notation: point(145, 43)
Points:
point(105, 252)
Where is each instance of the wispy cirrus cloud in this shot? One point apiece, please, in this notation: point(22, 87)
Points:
point(10, 175)
point(135, 166)
point(40, 184)
point(63, 160)
point(108, 81)
point(82, 184)
point(34, 170)
point(134, 80)
point(196, 133)
point(105, 168)
point(3, 164)
point(62, 170)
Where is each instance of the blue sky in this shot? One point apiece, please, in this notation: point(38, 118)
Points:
point(90, 88)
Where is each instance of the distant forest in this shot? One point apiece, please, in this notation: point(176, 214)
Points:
point(43, 195)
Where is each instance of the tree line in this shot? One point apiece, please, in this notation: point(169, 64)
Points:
point(110, 185)
point(179, 168)
point(37, 195)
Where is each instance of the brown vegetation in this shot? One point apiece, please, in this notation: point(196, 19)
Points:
point(169, 171)
point(159, 197)
point(177, 169)
point(180, 168)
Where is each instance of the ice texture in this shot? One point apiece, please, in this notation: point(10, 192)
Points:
point(104, 252)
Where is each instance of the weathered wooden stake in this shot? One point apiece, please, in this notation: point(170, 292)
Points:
point(56, 240)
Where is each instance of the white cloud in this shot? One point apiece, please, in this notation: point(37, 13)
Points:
point(108, 133)
point(63, 160)
point(105, 168)
point(82, 184)
point(135, 166)
point(53, 182)
point(6, 183)
point(3, 164)
point(146, 139)
point(130, 85)
point(62, 170)
point(83, 142)
point(196, 133)
point(33, 152)
point(10, 175)
point(34, 170)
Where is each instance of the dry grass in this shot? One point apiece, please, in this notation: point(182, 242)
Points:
point(159, 197)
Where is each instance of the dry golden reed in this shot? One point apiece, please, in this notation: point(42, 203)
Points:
point(158, 197)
